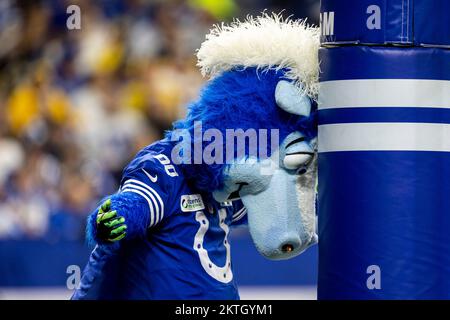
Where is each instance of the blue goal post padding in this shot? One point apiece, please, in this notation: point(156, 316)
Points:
point(401, 22)
point(384, 151)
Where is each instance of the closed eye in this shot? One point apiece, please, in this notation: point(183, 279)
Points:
point(298, 154)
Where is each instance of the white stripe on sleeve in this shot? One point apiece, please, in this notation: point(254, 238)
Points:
point(239, 214)
point(150, 205)
point(130, 185)
point(151, 190)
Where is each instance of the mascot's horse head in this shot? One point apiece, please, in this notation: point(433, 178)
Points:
point(263, 80)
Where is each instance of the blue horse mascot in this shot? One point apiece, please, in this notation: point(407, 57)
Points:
point(243, 155)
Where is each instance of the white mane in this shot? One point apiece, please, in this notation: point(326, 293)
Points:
point(265, 42)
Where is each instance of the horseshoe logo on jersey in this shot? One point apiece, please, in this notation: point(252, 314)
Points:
point(222, 274)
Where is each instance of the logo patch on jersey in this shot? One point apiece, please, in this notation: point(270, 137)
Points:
point(191, 202)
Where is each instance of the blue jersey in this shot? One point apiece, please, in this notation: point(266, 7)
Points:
point(186, 251)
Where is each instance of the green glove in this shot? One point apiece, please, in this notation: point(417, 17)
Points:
point(110, 226)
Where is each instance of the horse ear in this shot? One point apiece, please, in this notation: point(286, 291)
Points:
point(291, 99)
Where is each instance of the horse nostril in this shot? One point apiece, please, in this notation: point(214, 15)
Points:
point(287, 247)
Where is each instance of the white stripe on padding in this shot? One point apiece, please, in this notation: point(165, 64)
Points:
point(131, 185)
point(384, 136)
point(152, 214)
point(384, 93)
point(153, 192)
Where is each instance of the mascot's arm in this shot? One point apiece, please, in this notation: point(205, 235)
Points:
point(119, 216)
point(141, 203)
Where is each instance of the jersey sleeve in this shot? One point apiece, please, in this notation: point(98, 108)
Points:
point(152, 180)
point(239, 216)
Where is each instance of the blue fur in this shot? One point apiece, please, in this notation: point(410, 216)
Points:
point(240, 98)
point(132, 207)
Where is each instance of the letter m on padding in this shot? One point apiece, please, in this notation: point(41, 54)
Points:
point(327, 23)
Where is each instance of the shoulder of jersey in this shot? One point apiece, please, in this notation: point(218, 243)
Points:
point(152, 175)
point(155, 163)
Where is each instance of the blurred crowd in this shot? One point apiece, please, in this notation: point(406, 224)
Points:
point(76, 105)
